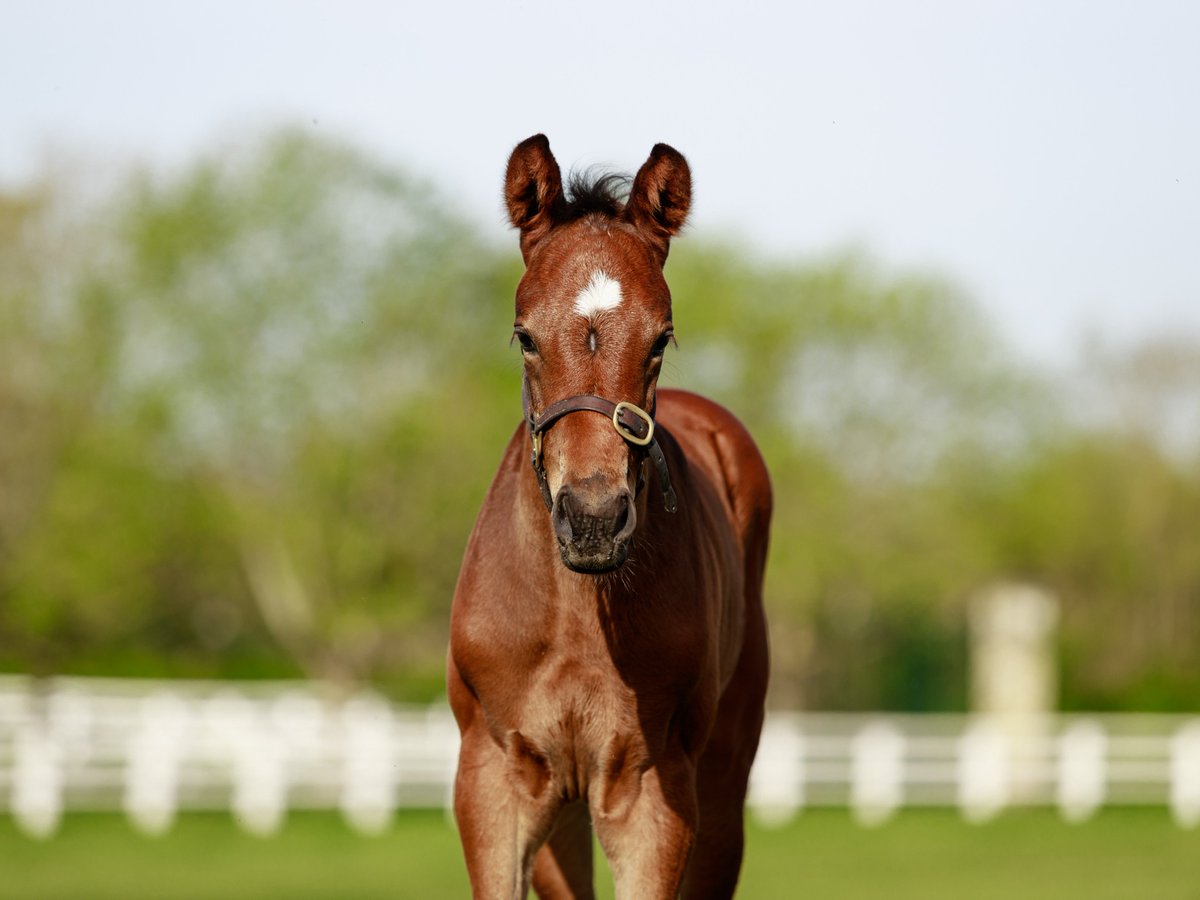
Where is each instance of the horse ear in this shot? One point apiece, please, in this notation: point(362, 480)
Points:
point(532, 190)
point(661, 196)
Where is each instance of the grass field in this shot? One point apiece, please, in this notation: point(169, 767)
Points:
point(1126, 854)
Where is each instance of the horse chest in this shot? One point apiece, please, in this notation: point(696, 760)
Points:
point(571, 683)
point(578, 729)
point(573, 719)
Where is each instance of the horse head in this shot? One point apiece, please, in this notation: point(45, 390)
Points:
point(593, 320)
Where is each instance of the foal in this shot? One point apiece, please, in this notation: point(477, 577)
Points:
point(608, 652)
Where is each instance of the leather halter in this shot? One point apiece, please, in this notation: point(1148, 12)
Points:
point(635, 426)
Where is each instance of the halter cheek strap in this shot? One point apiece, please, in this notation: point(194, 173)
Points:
point(635, 426)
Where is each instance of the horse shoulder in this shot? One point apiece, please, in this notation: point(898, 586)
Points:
point(495, 620)
point(715, 440)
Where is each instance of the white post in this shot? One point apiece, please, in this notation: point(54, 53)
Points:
point(1014, 676)
point(37, 788)
point(368, 796)
point(1185, 775)
point(152, 765)
point(877, 772)
point(983, 771)
point(1082, 775)
point(777, 780)
point(257, 760)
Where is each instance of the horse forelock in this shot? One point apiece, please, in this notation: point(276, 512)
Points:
point(595, 192)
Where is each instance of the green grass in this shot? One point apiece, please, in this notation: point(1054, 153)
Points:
point(1121, 854)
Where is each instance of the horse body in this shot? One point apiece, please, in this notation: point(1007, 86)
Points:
point(619, 682)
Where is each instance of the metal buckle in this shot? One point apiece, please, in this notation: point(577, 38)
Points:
point(536, 438)
point(625, 432)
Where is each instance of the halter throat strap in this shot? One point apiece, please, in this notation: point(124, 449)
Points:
point(635, 426)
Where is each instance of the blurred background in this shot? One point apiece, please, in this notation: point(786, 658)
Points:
point(256, 298)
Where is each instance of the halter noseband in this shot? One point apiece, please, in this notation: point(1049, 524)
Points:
point(632, 423)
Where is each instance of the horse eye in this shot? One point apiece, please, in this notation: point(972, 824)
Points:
point(660, 346)
point(526, 342)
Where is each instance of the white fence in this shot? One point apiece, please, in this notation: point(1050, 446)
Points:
point(259, 749)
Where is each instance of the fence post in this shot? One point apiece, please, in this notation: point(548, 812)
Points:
point(1014, 675)
point(37, 778)
point(259, 799)
point(984, 778)
point(368, 795)
point(1082, 777)
point(777, 778)
point(153, 760)
point(1185, 775)
point(877, 772)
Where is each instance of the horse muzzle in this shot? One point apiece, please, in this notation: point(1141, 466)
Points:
point(594, 529)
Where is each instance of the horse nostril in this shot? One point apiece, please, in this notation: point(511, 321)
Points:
point(622, 518)
point(626, 519)
point(561, 516)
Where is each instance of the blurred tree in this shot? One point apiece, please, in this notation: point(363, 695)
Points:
point(1107, 513)
point(315, 321)
point(284, 332)
point(248, 411)
point(1151, 389)
point(57, 342)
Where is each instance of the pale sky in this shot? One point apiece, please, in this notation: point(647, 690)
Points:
point(1045, 156)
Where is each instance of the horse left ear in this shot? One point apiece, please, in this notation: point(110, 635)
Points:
point(661, 197)
point(532, 190)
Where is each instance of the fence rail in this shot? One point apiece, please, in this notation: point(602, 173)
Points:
point(153, 749)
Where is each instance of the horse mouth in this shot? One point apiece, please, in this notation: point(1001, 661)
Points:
point(593, 560)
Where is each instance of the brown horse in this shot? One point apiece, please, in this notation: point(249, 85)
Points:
point(608, 652)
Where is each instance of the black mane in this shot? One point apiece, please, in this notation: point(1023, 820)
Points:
point(596, 192)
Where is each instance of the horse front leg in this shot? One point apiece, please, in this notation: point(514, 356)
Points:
point(648, 834)
point(501, 827)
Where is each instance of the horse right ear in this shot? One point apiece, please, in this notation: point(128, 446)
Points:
point(661, 197)
point(532, 190)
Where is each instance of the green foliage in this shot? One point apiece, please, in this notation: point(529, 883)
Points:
point(253, 451)
point(250, 409)
point(1111, 521)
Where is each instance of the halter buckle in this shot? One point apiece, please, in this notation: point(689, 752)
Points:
point(624, 432)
